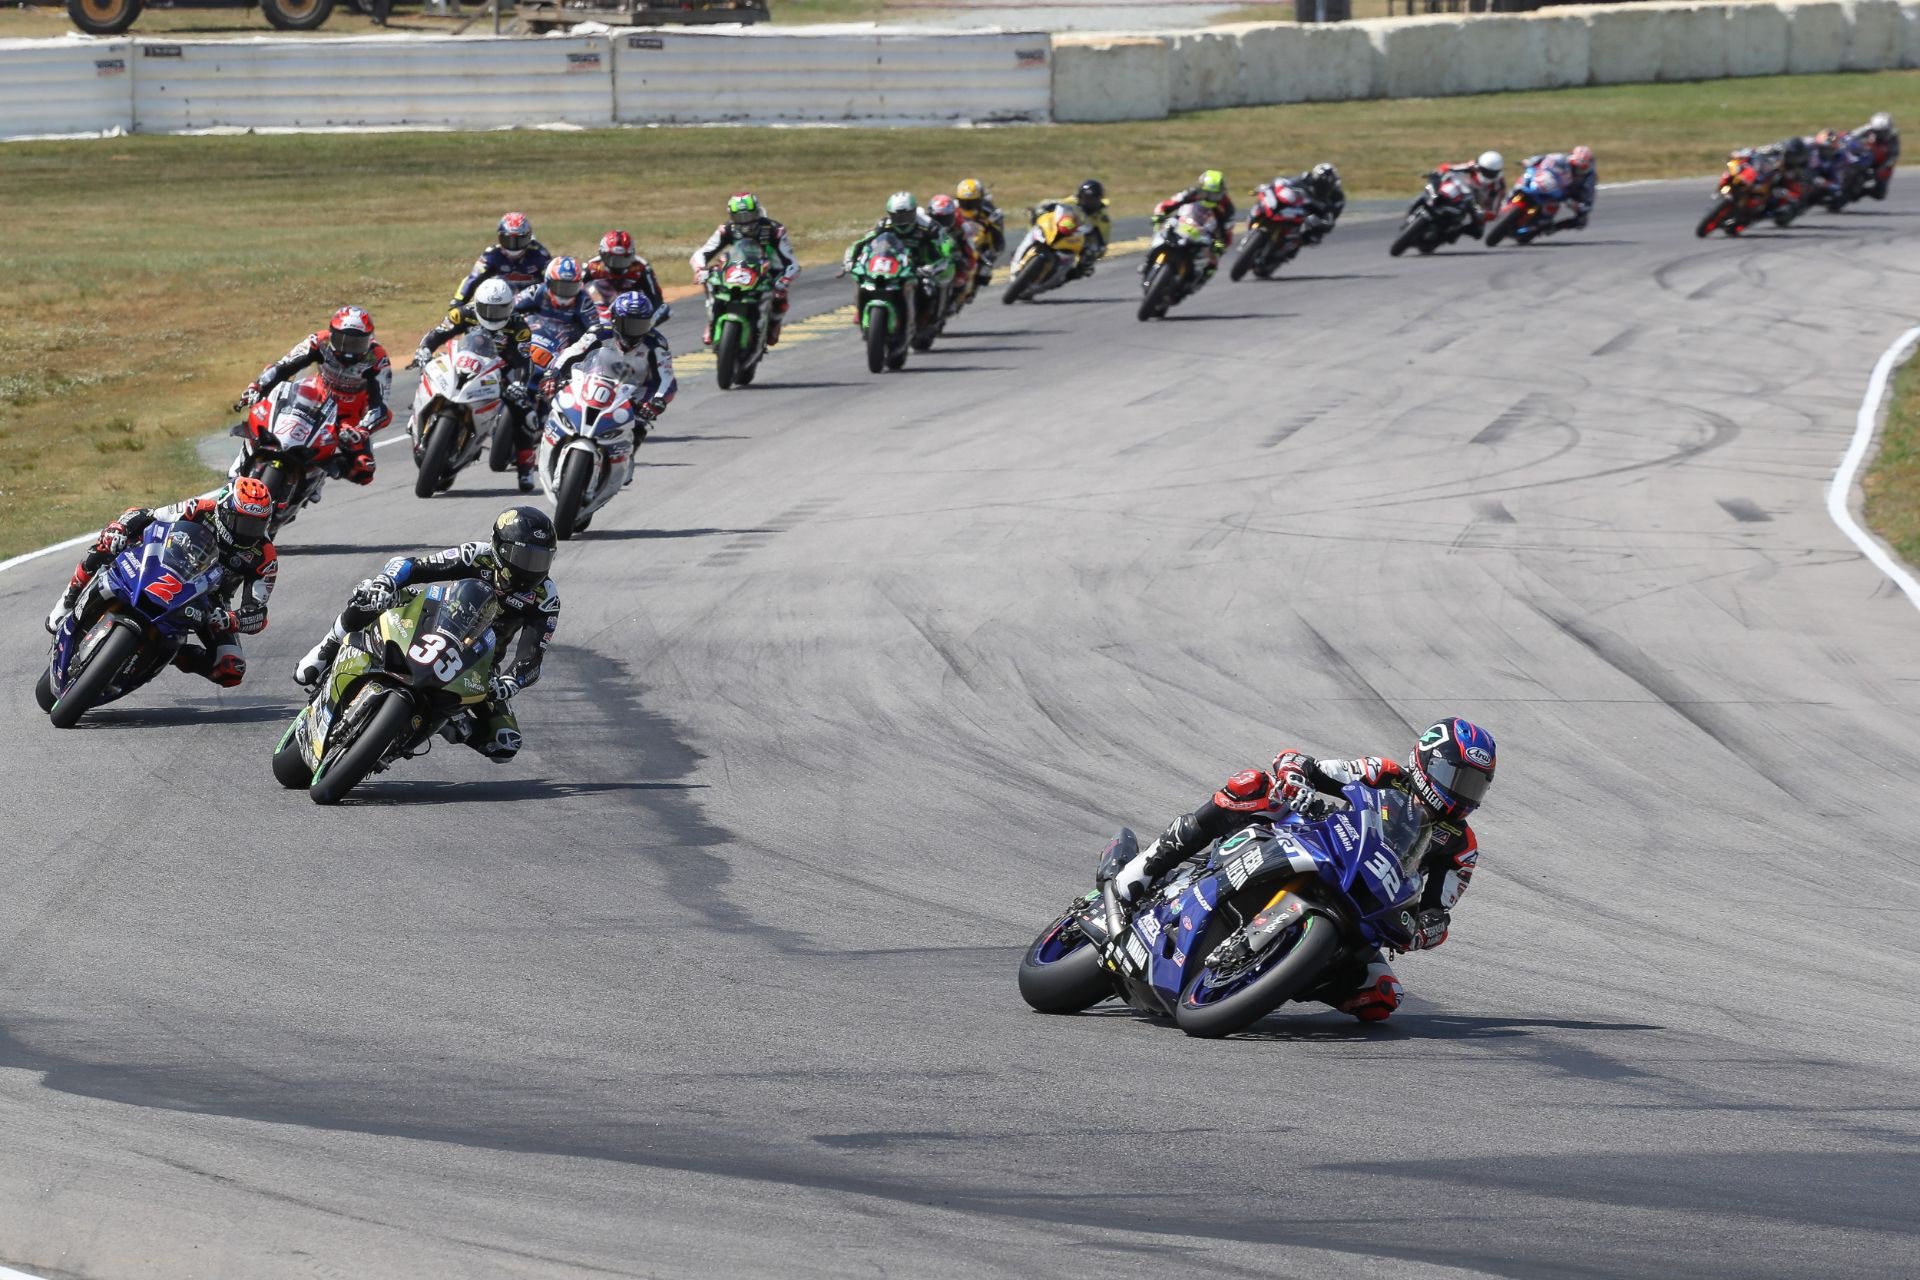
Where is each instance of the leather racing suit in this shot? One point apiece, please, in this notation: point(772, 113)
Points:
point(361, 387)
point(518, 269)
point(770, 236)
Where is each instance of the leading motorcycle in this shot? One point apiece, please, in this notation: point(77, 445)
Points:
point(1440, 215)
point(1273, 913)
point(1176, 260)
point(1533, 205)
point(592, 433)
point(887, 298)
point(739, 302)
point(393, 685)
point(289, 442)
point(130, 620)
point(1744, 194)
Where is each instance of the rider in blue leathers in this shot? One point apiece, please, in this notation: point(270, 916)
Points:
point(639, 356)
point(1581, 186)
point(560, 299)
point(515, 257)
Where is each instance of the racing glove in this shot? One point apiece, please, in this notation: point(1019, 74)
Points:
point(1429, 928)
point(112, 540)
point(249, 397)
point(517, 395)
point(360, 468)
point(422, 356)
point(502, 688)
point(376, 593)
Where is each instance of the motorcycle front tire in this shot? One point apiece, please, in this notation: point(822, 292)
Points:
point(391, 720)
point(502, 445)
point(1291, 974)
point(1253, 249)
point(1715, 215)
point(102, 666)
point(441, 438)
point(1160, 287)
point(43, 689)
point(726, 356)
point(570, 491)
point(1504, 225)
point(289, 766)
point(1414, 231)
point(1074, 982)
point(1029, 275)
point(879, 339)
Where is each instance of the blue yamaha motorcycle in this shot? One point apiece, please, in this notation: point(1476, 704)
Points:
point(1531, 208)
point(1271, 914)
point(130, 620)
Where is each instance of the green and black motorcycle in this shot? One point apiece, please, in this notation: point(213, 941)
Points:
point(740, 297)
point(887, 300)
point(392, 686)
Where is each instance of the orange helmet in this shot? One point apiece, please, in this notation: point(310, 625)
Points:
point(246, 510)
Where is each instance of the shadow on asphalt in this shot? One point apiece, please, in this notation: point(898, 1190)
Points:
point(295, 546)
point(699, 439)
point(415, 791)
point(1285, 278)
point(954, 368)
point(633, 535)
point(796, 386)
point(178, 714)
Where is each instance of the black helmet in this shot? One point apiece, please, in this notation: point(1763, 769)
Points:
point(1452, 767)
point(1796, 149)
point(523, 546)
point(1091, 196)
point(1324, 180)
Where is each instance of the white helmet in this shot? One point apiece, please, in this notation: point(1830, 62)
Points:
point(493, 304)
point(1490, 163)
point(1881, 122)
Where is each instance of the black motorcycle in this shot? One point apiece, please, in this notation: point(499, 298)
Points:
point(1445, 211)
point(1176, 260)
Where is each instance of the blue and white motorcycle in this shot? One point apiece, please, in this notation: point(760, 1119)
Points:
point(1269, 915)
point(130, 620)
point(592, 432)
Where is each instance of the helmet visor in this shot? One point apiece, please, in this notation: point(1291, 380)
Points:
point(246, 528)
point(744, 217)
point(617, 261)
point(493, 315)
point(564, 290)
point(527, 563)
point(1463, 782)
point(634, 326)
point(515, 241)
point(902, 219)
point(352, 342)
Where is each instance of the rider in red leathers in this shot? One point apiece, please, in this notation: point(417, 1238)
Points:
point(357, 375)
point(619, 269)
point(238, 517)
point(1449, 771)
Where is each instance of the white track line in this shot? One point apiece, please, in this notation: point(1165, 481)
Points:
point(1866, 422)
point(8, 1273)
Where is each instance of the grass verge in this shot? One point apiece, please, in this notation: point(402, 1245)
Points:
point(1892, 483)
point(152, 277)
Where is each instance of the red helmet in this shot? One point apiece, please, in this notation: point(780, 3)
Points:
point(943, 209)
point(245, 509)
point(616, 251)
point(1581, 158)
point(350, 334)
point(516, 233)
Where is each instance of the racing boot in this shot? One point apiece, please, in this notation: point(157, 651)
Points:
point(61, 609)
point(524, 462)
point(309, 669)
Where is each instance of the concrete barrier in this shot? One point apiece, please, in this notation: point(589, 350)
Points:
point(1626, 44)
point(1340, 64)
point(1875, 36)
point(1417, 57)
point(1818, 34)
point(1098, 78)
point(1910, 41)
point(1566, 49)
point(1693, 42)
point(1203, 70)
point(1757, 36)
point(307, 84)
point(53, 88)
point(682, 77)
point(1290, 62)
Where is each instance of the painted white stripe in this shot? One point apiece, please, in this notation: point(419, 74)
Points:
point(8, 1273)
point(1866, 422)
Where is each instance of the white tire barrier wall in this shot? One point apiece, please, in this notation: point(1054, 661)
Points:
point(679, 77)
point(64, 87)
point(1101, 78)
point(1757, 36)
point(1874, 35)
point(309, 84)
point(1818, 40)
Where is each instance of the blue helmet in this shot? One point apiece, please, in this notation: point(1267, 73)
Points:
point(633, 315)
point(563, 279)
point(1452, 767)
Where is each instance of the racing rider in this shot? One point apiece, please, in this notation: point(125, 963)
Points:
point(238, 517)
point(1326, 199)
point(491, 312)
point(618, 269)
point(1449, 771)
point(944, 212)
point(561, 301)
point(1090, 198)
point(515, 257)
point(640, 356)
point(357, 374)
point(1581, 185)
point(1485, 177)
point(977, 206)
point(1210, 192)
point(514, 563)
point(928, 246)
point(1879, 136)
point(747, 220)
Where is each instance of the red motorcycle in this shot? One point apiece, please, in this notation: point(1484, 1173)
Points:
point(290, 443)
point(1276, 227)
point(1742, 199)
point(1885, 154)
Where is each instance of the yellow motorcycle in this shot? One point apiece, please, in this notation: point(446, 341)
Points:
point(1048, 254)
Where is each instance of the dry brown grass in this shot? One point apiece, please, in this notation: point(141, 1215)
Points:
point(1892, 483)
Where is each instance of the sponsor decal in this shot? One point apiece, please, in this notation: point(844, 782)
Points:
point(1186, 922)
point(645, 42)
point(1029, 58)
point(1136, 952)
point(583, 62)
point(1149, 927)
point(1345, 833)
point(1433, 737)
point(1385, 872)
point(160, 51)
point(1480, 756)
point(109, 66)
point(1179, 958)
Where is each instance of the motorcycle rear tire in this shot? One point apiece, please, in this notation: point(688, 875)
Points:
point(1415, 230)
point(1074, 982)
point(390, 721)
point(435, 454)
point(1160, 286)
point(1029, 275)
point(570, 491)
point(502, 445)
point(102, 666)
point(726, 356)
point(897, 358)
point(922, 341)
point(1715, 215)
point(749, 369)
point(1504, 225)
point(879, 339)
point(1295, 972)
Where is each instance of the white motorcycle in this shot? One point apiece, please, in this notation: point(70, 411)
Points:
point(587, 450)
point(457, 408)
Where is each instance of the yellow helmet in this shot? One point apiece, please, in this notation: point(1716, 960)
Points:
point(970, 193)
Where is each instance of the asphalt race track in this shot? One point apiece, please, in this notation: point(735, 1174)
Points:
point(850, 688)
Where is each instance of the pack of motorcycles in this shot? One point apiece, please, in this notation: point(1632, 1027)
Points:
point(1260, 920)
